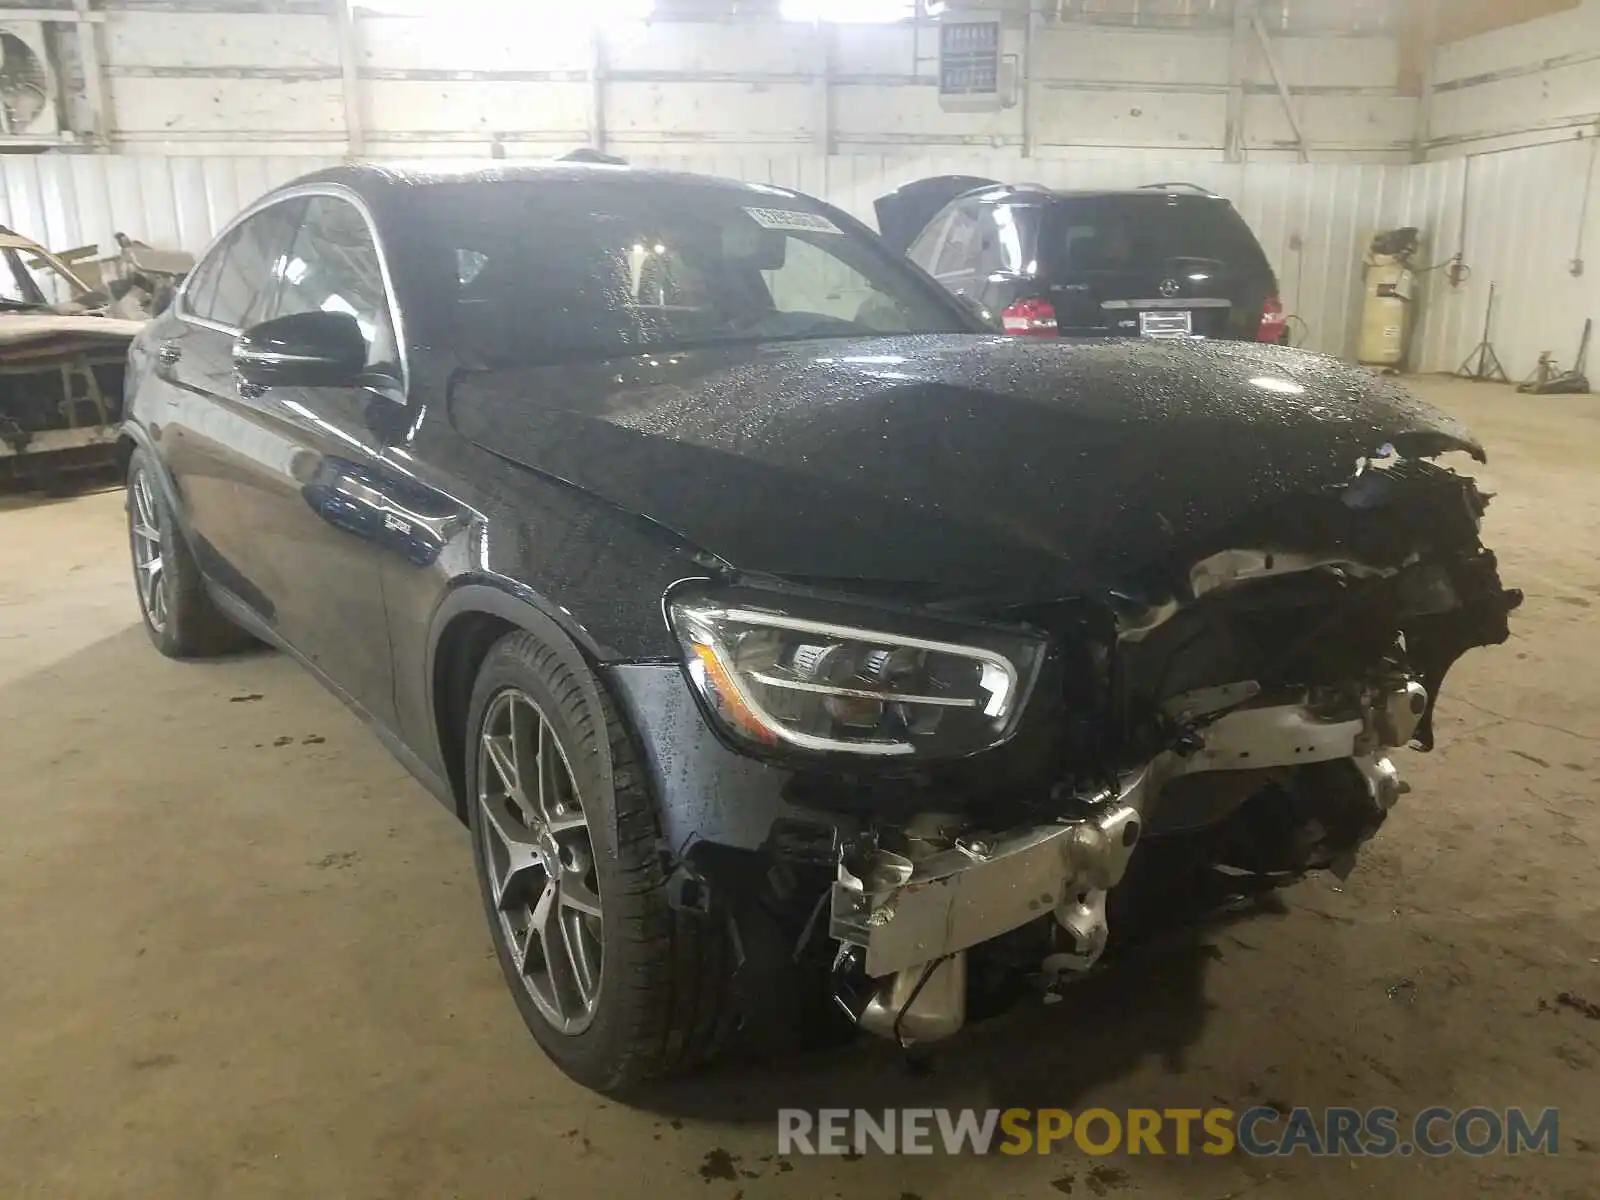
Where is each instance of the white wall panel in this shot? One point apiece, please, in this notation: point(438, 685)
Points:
point(1373, 124)
point(438, 46)
point(166, 108)
point(74, 200)
point(182, 79)
point(1322, 62)
point(1069, 115)
point(910, 115)
point(1549, 101)
point(1537, 81)
point(1529, 42)
point(1128, 55)
point(455, 109)
point(880, 50)
point(717, 47)
point(200, 39)
point(690, 113)
point(1516, 218)
point(1109, 87)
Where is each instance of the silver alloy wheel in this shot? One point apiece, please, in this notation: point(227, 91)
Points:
point(149, 568)
point(540, 860)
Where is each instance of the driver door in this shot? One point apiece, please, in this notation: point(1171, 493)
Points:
point(273, 478)
point(325, 503)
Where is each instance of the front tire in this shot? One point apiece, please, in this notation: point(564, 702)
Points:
point(615, 985)
point(180, 618)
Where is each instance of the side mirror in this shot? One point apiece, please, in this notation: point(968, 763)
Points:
point(314, 349)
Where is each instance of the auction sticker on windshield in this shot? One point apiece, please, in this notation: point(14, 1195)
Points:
point(788, 218)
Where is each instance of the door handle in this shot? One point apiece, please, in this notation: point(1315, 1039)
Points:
point(169, 354)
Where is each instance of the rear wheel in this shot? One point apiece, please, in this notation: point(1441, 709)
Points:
point(616, 986)
point(181, 619)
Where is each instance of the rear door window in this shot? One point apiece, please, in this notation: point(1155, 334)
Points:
point(960, 242)
point(926, 245)
point(333, 266)
point(235, 284)
point(1011, 239)
point(986, 259)
point(201, 288)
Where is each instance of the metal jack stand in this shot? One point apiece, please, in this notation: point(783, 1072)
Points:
point(1488, 368)
point(1548, 381)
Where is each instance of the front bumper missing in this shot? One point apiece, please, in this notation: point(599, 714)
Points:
point(906, 913)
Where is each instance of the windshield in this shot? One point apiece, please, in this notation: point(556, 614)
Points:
point(29, 280)
point(545, 273)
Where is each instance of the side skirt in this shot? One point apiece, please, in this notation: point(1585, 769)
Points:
point(408, 758)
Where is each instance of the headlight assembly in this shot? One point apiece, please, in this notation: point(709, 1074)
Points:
point(852, 682)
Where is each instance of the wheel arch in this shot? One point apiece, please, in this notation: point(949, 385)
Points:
point(467, 624)
point(132, 437)
point(126, 445)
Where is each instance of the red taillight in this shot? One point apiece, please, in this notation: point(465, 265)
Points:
point(1030, 318)
point(1272, 321)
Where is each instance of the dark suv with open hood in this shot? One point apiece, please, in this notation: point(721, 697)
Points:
point(781, 634)
point(1168, 260)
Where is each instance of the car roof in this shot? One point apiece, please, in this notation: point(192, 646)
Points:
point(386, 180)
point(1024, 191)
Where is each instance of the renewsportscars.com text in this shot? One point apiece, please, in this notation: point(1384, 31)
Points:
point(1259, 1132)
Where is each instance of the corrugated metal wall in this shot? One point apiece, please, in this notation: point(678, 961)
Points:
point(74, 200)
point(1521, 220)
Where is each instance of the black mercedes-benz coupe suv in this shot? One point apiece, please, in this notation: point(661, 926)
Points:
point(789, 644)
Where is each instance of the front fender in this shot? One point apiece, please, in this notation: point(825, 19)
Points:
point(469, 619)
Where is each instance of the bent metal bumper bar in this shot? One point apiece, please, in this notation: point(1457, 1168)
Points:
point(905, 914)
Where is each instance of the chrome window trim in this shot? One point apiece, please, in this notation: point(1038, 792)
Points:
point(204, 323)
point(296, 192)
point(272, 356)
point(1152, 305)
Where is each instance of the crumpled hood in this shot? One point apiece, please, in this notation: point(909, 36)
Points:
point(962, 462)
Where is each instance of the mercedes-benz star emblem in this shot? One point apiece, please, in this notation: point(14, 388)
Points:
point(1170, 288)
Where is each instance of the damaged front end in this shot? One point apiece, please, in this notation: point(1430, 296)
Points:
point(63, 352)
point(996, 774)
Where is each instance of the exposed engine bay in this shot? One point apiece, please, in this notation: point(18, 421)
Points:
point(60, 382)
point(1237, 716)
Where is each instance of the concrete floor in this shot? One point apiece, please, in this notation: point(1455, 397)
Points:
point(241, 953)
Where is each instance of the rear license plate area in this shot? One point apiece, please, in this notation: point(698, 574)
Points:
point(1167, 323)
